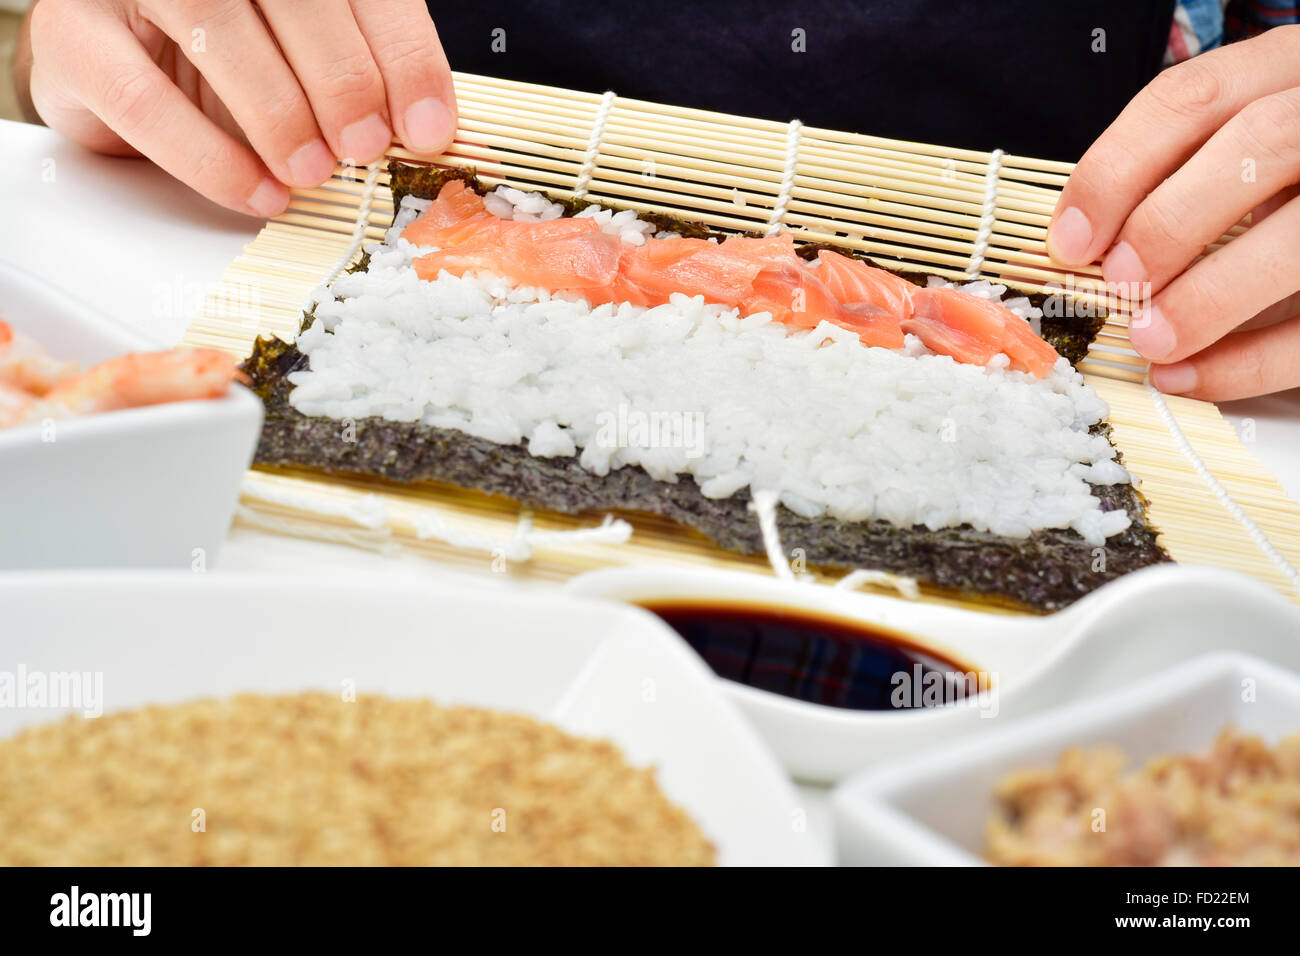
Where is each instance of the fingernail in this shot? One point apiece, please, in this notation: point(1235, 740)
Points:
point(269, 198)
point(1176, 379)
point(366, 139)
point(429, 126)
point(312, 164)
point(1123, 266)
point(1151, 334)
point(1070, 237)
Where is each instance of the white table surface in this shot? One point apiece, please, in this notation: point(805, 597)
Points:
point(144, 248)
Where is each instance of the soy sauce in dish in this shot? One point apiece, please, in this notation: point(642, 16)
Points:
point(819, 659)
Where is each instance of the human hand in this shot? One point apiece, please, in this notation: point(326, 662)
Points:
point(1206, 143)
point(238, 100)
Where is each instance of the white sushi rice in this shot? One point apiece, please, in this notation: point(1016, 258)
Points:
point(690, 388)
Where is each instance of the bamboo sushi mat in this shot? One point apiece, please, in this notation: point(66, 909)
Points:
point(954, 213)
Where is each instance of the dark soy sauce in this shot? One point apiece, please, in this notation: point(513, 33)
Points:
point(821, 660)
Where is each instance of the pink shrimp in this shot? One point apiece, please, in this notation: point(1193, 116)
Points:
point(17, 407)
point(25, 365)
point(146, 378)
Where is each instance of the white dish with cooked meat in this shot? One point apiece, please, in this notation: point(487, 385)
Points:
point(953, 804)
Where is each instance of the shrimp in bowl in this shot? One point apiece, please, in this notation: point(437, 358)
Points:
point(35, 387)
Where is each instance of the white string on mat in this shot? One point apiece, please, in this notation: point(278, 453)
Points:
point(367, 197)
point(992, 179)
point(610, 531)
point(904, 585)
point(793, 133)
point(380, 540)
point(524, 540)
point(763, 504)
point(368, 511)
point(1184, 445)
point(588, 168)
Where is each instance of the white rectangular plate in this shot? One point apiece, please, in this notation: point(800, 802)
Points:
point(595, 669)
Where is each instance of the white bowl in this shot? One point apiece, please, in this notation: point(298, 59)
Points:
point(595, 669)
point(143, 487)
point(932, 810)
point(1130, 628)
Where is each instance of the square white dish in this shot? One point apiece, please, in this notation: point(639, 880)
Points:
point(142, 487)
point(932, 810)
point(594, 669)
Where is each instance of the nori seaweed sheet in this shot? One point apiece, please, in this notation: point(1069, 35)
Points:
point(1044, 572)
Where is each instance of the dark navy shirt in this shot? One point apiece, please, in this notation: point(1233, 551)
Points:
point(1034, 77)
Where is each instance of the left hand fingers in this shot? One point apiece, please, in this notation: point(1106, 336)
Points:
point(1243, 165)
point(1223, 290)
point(324, 45)
point(1240, 365)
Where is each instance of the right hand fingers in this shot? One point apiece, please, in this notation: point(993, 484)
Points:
point(134, 98)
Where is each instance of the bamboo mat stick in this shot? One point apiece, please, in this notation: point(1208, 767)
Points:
point(926, 206)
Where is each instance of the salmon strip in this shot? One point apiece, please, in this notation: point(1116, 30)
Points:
point(940, 337)
point(663, 252)
point(989, 322)
point(487, 229)
point(586, 261)
point(617, 291)
point(874, 325)
point(771, 251)
point(583, 260)
point(692, 267)
point(852, 281)
point(1027, 350)
point(456, 203)
point(979, 318)
point(797, 296)
point(794, 296)
point(477, 229)
point(755, 274)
